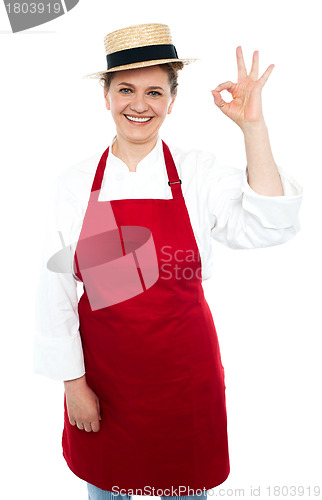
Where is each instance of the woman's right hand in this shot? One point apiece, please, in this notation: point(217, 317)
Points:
point(83, 406)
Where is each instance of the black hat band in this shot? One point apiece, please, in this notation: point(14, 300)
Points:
point(139, 54)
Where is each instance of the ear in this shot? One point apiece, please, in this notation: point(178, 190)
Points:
point(171, 104)
point(107, 101)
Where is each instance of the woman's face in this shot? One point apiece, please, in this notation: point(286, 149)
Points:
point(141, 93)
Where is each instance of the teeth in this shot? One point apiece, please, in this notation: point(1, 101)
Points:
point(133, 119)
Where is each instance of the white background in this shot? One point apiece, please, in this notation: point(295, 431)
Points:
point(266, 303)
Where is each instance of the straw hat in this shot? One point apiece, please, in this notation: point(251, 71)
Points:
point(138, 46)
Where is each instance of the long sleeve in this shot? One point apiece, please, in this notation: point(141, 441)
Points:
point(58, 350)
point(244, 219)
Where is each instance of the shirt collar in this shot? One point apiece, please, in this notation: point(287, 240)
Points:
point(147, 164)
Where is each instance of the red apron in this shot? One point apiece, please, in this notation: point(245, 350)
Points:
point(154, 362)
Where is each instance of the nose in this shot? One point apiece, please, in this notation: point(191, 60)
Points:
point(138, 103)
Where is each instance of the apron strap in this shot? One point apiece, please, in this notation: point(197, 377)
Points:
point(173, 178)
point(96, 186)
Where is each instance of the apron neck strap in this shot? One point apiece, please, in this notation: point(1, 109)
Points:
point(96, 186)
point(173, 178)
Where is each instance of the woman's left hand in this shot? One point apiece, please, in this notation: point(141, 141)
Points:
point(246, 106)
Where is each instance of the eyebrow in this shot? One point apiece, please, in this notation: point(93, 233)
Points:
point(150, 87)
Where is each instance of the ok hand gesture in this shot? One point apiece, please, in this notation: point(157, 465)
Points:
point(246, 106)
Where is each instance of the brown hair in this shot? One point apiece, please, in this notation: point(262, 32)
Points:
point(171, 68)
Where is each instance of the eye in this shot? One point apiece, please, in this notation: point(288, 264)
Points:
point(126, 90)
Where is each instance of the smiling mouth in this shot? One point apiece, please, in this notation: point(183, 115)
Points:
point(138, 119)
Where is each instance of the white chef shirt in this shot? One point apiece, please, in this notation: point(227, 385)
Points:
point(221, 206)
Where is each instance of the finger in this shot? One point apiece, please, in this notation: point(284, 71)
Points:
point(263, 79)
point(230, 86)
point(80, 425)
point(98, 410)
point(218, 99)
point(242, 72)
point(95, 425)
point(254, 71)
point(87, 427)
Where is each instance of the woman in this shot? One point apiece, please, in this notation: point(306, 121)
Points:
point(144, 405)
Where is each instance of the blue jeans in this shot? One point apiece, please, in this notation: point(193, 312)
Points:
point(95, 493)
